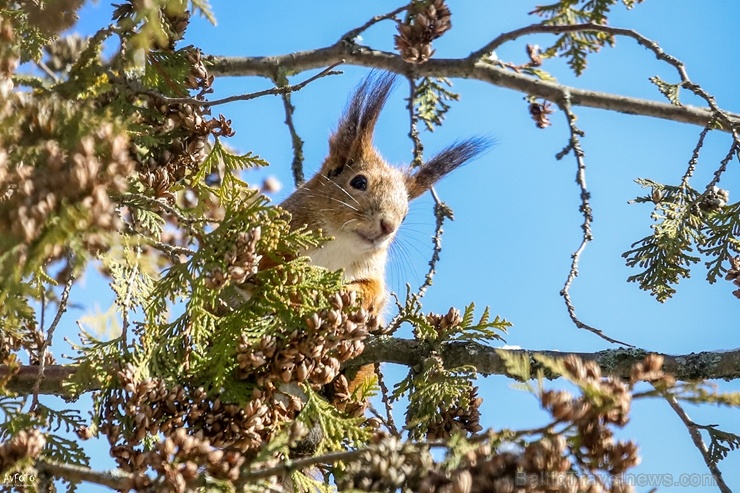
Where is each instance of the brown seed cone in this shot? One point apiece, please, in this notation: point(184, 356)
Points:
point(426, 22)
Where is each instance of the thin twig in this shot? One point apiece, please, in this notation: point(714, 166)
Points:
point(385, 397)
point(45, 68)
point(734, 152)
point(418, 151)
point(328, 458)
point(44, 349)
point(538, 29)
point(722, 116)
point(574, 145)
point(349, 36)
point(131, 198)
point(173, 252)
point(121, 480)
point(548, 429)
point(274, 91)
point(296, 465)
point(382, 419)
point(42, 322)
point(441, 212)
point(125, 303)
point(295, 140)
point(695, 154)
point(114, 479)
point(698, 442)
point(398, 318)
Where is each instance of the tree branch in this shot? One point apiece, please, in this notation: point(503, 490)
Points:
point(297, 165)
point(699, 443)
point(487, 361)
point(43, 351)
point(349, 36)
point(466, 68)
point(121, 480)
point(574, 146)
point(24, 380)
point(114, 479)
point(273, 91)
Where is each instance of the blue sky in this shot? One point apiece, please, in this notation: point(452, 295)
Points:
point(516, 208)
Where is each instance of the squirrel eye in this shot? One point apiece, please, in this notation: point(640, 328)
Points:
point(359, 182)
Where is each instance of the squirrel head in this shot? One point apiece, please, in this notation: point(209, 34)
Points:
point(357, 197)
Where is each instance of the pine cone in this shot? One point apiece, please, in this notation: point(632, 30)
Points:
point(426, 22)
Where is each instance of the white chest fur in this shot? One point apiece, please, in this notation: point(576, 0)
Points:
point(346, 252)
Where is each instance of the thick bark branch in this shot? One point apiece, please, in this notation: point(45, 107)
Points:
point(114, 479)
point(616, 362)
point(24, 381)
point(461, 68)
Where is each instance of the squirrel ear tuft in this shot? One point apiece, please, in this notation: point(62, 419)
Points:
point(425, 176)
point(354, 134)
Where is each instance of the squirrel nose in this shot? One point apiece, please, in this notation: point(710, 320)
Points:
point(387, 226)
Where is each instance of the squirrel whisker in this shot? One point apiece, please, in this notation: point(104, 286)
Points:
point(344, 190)
point(335, 200)
point(347, 222)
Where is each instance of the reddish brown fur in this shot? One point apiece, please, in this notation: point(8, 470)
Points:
point(359, 219)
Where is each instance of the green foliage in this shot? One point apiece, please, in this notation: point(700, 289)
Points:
point(666, 254)
point(162, 69)
point(88, 77)
point(304, 482)
point(452, 327)
point(207, 275)
point(519, 367)
point(686, 220)
point(670, 91)
point(575, 46)
point(539, 73)
point(702, 393)
point(58, 447)
point(219, 157)
point(721, 443)
point(433, 391)
point(94, 360)
point(10, 406)
point(203, 7)
point(209, 339)
point(16, 311)
point(721, 239)
point(31, 38)
point(431, 100)
point(339, 431)
point(149, 222)
point(65, 450)
point(478, 331)
point(152, 23)
point(130, 281)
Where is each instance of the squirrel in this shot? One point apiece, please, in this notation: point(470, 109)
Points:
point(360, 200)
